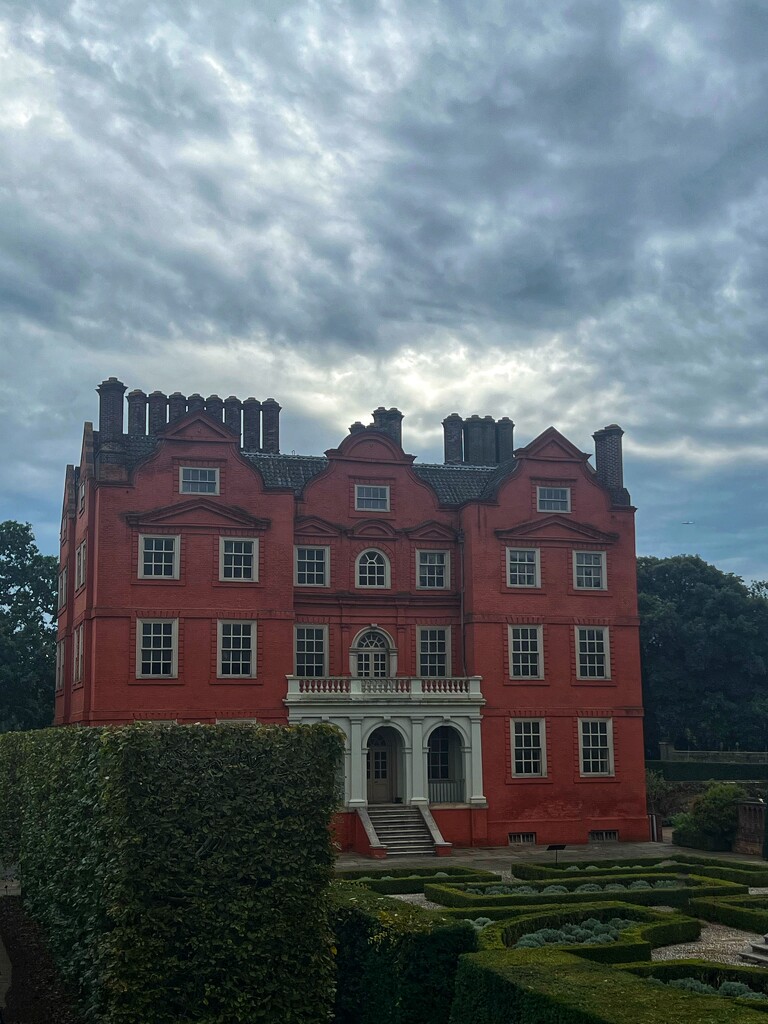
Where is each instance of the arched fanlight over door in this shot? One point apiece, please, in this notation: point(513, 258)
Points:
point(371, 656)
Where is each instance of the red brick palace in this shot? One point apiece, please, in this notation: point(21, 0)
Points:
point(471, 626)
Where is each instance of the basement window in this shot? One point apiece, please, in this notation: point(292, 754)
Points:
point(522, 838)
point(604, 835)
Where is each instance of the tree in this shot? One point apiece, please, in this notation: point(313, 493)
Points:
point(27, 630)
point(704, 650)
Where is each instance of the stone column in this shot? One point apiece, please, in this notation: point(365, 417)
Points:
point(475, 783)
point(419, 794)
point(357, 781)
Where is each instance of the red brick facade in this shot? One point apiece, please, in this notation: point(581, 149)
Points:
point(500, 607)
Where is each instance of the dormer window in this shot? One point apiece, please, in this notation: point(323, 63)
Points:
point(370, 498)
point(193, 480)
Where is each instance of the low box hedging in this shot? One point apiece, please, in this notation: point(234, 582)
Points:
point(402, 880)
point(749, 913)
point(707, 972)
point(744, 872)
point(456, 895)
point(653, 929)
point(552, 987)
point(180, 872)
point(396, 963)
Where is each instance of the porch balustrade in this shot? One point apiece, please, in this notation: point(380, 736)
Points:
point(446, 791)
point(335, 687)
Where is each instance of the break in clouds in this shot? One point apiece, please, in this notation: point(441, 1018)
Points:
point(552, 211)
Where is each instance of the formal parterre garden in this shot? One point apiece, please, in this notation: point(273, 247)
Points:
point(571, 941)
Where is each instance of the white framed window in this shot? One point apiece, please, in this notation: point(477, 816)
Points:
point(159, 557)
point(433, 570)
point(157, 648)
point(81, 497)
point(311, 646)
point(81, 565)
point(523, 567)
point(239, 559)
point(61, 651)
point(372, 569)
point(371, 498)
point(592, 652)
point(236, 649)
point(596, 746)
point(62, 595)
point(77, 653)
point(589, 570)
point(553, 499)
point(311, 566)
point(195, 480)
point(525, 652)
point(372, 656)
point(529, 747)
point(434, 652)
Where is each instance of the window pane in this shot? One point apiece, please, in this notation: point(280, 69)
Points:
point(375, 499)
point(527, 752)
point(595, 747)
point(432, 566)
point(521, 564)
point(199, 481)
point(310, 567)
point(589, 570)
point(156, 653)
point(371, 570)
point(433, 653)
point(310, 651)
point(524, 642)
point(554, 499)
point(158, 558)
point(592, 654)
point(236, 649)
point(238, 559)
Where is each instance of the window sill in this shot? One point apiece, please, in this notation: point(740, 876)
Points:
point(529, 780)
point(159, 581)
point(236, 681)
point(596, 778)
point(156, 681)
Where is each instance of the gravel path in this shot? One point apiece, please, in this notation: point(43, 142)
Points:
point(719, 944)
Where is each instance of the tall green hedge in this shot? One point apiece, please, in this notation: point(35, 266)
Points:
point(180, 872)
point(396, 963)
point(708, 771)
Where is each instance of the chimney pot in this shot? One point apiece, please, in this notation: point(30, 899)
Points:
point(214, 406)
point(608, 457)
point(195, 403)
point(453, 428)
point(270, 425)
point(177, 406)
point(137, 413)
point(356, 427)
point(158, 412)
point(505, 439)
point(251, 425)
point(489, 441)
point(232, 415)
point(473, 441)
point(111, 393)
point(389, 422)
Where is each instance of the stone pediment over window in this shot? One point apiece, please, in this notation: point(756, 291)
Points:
point(197, 512)
point(313, 526)
point(197, 426)
point(555, 528)
point(430, 531)
point(373, 528)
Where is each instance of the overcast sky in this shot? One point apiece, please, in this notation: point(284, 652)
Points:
point(556, 211)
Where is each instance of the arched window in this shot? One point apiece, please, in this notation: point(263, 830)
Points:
point(371, 656)
point(372, 569)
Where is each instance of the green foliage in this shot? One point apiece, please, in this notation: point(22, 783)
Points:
point(396, 964)
point(27, 630)
point(409, 880)
point(743, 872)
point(749, 913)
point(704, 650)
point(707, 771)
point(180, 872)
point(712, 820)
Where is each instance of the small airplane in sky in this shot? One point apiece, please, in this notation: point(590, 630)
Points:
point(688, 522)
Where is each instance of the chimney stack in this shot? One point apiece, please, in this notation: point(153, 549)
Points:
point(195, 403)
point(356, 427)
point(453, 429)
point(505, 439)
point(251, 425)
point(473, 441)
point(232, 415)
point(608, 458)
point(270, 426)
point(389, 422)
point(158, 412)
point(214, 406)
point(489, 441)
point(111, 393)
point(137, 413)
point(177, 406)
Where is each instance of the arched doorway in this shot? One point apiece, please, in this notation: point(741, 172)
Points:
point(385, 766)
point(445, 766)
point(372, 656)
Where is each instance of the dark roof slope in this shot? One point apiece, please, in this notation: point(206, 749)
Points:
point(293, 471)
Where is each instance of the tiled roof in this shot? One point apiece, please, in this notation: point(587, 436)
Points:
point(292, 471)
point(454, 485)
point(138, 448)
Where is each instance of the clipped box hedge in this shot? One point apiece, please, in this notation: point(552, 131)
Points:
point(653, 929)
point(404, 880)
point(744, 872)
point(708, 771)
point(396, 963)
point(455, 895)
point(554, 988)
point(180, 872)
point(749, 913)
point(709, 973)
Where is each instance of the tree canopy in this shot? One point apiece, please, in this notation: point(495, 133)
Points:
point(27, 629)
point(704, 649)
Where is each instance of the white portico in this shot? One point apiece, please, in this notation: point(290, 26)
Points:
point(408, 740)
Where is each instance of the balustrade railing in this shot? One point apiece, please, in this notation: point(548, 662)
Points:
point(446, 791)
point(466, 687)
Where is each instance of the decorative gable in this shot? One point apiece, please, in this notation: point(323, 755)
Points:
point(431, 531)
point(316, 528)
point(199, 512)
point(551, 445)
point(198, 427)
point(556, 528)
point(373, 528)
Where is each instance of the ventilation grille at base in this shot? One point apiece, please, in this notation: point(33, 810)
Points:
point(606, 835)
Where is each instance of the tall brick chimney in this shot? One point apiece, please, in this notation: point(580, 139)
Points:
point(489, 441)
point(251, 425)
point(270, 426)
point(473, 441)
point(177, 406)
point(453, 431)
point(158, 412)
point(390, 422)
point(214, 406)
point(505, 439)
point(111, 393)
point(232, 414)
point(195, 403)
point(137, 413)
point(608, 458)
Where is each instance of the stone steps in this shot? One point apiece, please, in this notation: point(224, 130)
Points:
point(402, 830)
point(756, 953)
